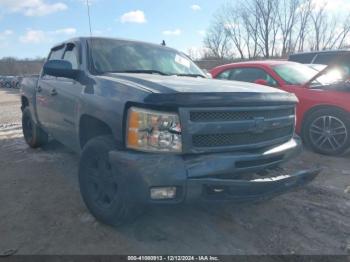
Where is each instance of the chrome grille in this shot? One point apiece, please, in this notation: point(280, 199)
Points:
point(239, 139)
point(202, 116)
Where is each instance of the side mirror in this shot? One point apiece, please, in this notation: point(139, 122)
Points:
point(60, 68)
point(261, 82)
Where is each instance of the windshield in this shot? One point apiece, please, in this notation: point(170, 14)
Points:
point(110, 55)
point(298, 74)
point(295, 74)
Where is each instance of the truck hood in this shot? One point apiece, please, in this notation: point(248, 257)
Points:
point(179, 84)
point(174, 91)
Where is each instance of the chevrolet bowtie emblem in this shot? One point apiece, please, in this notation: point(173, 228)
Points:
point(259, 125)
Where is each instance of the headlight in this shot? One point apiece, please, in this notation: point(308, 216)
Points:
point(149, 130)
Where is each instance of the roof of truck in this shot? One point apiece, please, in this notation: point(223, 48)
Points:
point(87, 38)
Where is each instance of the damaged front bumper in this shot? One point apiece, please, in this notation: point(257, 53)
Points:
point(247, 190)
point(217, 176)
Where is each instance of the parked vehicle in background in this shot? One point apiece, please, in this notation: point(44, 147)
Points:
point(18, 82)
point(339, 58)
point(10, 81)
point(2, 81)
point(6, 82)
point(152, 129)
point(323, 112)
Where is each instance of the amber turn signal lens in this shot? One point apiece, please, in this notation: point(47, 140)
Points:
point(133, 128)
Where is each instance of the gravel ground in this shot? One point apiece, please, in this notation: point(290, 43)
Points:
point(42, 211)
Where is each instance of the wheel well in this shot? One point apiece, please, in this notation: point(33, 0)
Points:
point(90, 127)
point(24, 102)
point(321, 107)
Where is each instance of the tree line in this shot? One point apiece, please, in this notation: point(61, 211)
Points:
point(246, 29)
point(20, 67)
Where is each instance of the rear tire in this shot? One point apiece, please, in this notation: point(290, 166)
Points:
point(105, 193)
point(33, 134)
point(327, 131)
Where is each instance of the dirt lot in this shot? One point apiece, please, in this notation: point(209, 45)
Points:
point(42, 211)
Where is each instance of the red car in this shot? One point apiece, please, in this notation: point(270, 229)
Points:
point(323, 112)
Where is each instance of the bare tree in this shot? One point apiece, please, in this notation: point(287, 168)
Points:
point(268, 28)
point(333, 34)
point(241, 27)
point(217, 40)
point(329, 34)
point(230, 18)
point(345, 31)
point(287, 18)
point(265, 13)
point(319, 25)
point(251, 23)
point(303, 16)
point(328, 31)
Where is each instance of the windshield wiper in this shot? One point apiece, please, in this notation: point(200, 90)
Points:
point(140, 72)
point(191, 75)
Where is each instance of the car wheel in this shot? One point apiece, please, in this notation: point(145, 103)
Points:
point(104, 192)
point(33, 135)
point(327, 131)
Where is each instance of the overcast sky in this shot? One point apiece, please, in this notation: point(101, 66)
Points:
point(28, 28)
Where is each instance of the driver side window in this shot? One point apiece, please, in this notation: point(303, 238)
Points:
point(70, 55)
point(56, 54)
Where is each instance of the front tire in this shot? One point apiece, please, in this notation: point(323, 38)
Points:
point(327, 131)
point(105, 193)
point(33, 134)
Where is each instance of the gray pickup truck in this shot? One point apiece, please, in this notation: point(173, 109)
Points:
point(151, 128)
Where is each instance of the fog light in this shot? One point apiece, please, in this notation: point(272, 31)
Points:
point(163, 192)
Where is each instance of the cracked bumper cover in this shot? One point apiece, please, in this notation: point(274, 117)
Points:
point(218, 176)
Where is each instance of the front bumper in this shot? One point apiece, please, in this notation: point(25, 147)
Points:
point(217, 176)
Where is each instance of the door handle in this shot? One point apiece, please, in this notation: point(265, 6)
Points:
point(53, 92)
point(39, 89)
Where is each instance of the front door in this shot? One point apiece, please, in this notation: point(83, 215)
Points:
point(65, 102)
point(47, 115)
